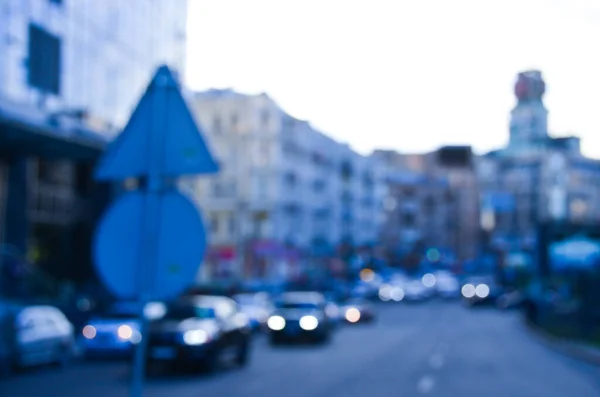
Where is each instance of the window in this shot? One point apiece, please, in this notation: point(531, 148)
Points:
point(214, 223)
point(224, 189)
point(234, 120)
point(265, 118)
point(408, 219)
point(408, 191)
point(44, 66)
point(291, 178)
point(217, 125)
point(231, 225)
point(319, 185)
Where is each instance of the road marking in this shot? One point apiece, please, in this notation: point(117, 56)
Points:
point(425, 384)
point(436, 361)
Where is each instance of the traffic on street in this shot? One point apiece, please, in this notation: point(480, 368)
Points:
point(439, 348)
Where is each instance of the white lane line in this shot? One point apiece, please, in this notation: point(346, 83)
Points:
point(436, 361)
point(425, 384)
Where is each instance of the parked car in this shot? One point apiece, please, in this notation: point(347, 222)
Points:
point(34, 335)
point(200, 331)
point(298, 316)
point(358, 311)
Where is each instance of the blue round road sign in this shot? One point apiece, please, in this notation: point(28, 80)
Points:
point(118, 247)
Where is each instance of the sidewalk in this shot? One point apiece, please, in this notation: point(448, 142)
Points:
point(578, 350)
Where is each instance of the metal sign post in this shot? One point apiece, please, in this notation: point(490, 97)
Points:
point(150, 243)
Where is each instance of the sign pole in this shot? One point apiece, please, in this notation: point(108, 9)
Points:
point(149, 253)
point(146, 234)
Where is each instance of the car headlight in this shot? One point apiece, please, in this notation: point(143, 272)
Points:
point(468, 291)
point(276, 323)
point(482, 291)
point(308, 323)
point(125, 332)
point(397, 294)
point(89, 332)
point(195, 337)
point(385, 292)
point(353, 315)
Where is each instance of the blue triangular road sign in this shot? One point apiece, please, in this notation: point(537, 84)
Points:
point(182, 149)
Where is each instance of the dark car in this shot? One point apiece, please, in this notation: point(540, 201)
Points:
point(300, 316)
point(203, 332)
point(358, 311)
point(480, 291)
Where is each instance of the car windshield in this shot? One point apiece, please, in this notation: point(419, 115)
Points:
point(297, 305)
point(184, 312)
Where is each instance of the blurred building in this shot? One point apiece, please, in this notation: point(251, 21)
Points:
point(286, 190)
point(432, 202)
point(70, 73)
point(536, 178)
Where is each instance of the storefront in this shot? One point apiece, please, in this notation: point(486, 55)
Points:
point(49, 203)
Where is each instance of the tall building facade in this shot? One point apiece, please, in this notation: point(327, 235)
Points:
point(286, 190)
point(70, 73)
point(537, 178)
point(432, 202)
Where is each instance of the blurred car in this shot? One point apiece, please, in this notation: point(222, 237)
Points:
point(34, 335)
point(258, 307)
point(358, 311)
point(480, 291)
point(113, 333)
point(394, 291)
point(447, 285)
point(415, 291)
point(300, 315)
point(200, 331)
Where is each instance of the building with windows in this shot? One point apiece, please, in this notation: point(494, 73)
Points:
point(70, 73)
point(432, 202)
point(537, 178)
point(285, 192)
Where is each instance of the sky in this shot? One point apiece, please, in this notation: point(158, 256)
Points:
point(409, 75)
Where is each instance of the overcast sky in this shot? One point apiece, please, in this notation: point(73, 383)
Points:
point(405, 74)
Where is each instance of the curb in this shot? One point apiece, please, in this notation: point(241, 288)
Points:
point(579, 351)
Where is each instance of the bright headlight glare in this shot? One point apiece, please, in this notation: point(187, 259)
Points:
point(125, 332)
point(276, 323)
point(308, 323)
point(352, 315)
point(468, 290)
point(385, 292)
point(89, 332)
point(397, 294)
point(428, 280)
point(195, 337)
point(482, 291)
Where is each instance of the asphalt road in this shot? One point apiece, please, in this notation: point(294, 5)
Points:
point(431, 349)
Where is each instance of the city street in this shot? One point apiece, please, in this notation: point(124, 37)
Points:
point(434, 349)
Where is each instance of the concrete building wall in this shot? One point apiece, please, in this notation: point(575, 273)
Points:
point(108, 51)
